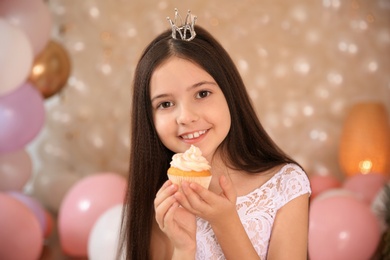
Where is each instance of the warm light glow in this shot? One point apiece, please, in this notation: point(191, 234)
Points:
point(365, 166)
point(38, 69)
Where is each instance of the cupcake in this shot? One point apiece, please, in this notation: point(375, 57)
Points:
point(190, 166)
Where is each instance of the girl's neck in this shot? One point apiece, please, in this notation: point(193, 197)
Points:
point(243, 182)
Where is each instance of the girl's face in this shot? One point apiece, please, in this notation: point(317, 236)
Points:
point(188, 107)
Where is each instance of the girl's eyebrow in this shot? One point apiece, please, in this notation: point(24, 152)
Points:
point(158, 96)
point(203, 83)
point(196, 85)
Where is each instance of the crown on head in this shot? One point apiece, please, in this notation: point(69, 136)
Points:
point(183, 29)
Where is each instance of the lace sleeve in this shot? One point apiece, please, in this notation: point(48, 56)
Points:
point(293, 183)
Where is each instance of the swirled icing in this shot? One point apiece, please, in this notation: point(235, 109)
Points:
point(190, 160)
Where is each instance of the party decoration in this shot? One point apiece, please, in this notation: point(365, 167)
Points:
point(103, 240)
point(366, 186)
point(32, 17)
point(20, 233)
point(336, 192)
point(51, 69)
point(342, 227)
point(82, 206)
point(34, 205)
point(319, 148)
point(365, 140)
point(16, 57)
point(22, 115)
point(15, 170)
point(322, 183)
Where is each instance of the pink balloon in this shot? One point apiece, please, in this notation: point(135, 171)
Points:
point(366, 186)
point(22, 115)
point(34, 205)
point(83, 205)
point(15, 170)
point(336, 192)
point(342, 227)
point(16, 57)
point(20, 233)
point(32, 16)
point(320, 183)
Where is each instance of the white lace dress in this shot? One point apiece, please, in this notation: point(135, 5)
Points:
point(257, 211)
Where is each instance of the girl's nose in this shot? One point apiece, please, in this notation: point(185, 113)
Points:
point(186, 115)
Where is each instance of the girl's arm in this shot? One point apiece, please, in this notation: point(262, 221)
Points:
point(233, 238)
point(220, 211)
point(289, 236)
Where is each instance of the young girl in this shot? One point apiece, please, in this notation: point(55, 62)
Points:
point(189, 92)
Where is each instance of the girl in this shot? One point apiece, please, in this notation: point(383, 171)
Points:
point(190, 92)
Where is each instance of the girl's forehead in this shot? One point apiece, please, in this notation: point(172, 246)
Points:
point(179, 68)
point(179, 60)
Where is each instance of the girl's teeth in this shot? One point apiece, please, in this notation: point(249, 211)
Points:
point(193, 135)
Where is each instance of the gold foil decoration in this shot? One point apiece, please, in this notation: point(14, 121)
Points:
point(51, 69)
point(365, 140)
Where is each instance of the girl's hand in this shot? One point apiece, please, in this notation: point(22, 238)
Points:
point(210, 206)
point(220, 211)
point(178, 224)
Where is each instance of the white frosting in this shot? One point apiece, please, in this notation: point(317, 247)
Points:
point(190, 160)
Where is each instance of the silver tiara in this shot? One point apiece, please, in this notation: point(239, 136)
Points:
point(182, 29)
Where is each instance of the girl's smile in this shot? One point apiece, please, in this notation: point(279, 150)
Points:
point(193, 136)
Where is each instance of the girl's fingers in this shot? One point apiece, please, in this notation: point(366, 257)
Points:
point(163, 201)
point(169, 216)
point(168, 189)
point(227, 188)
point(182, 199)
point(196, 197)
point(199, 200)
point(162, 210)
point(165, 185)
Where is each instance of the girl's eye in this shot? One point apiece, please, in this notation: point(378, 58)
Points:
point(203, 94)
point(164, 105)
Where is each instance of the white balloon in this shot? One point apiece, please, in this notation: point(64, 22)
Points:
point(103, 240)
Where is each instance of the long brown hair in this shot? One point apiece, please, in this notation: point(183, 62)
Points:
point(247, 146)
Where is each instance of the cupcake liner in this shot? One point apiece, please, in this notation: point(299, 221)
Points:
point(204, 181)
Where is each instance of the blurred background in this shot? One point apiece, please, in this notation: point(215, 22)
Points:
point(318, 73)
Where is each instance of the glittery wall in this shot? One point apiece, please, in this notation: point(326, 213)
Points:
point(304, 63)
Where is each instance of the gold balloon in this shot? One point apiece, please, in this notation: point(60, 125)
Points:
point(51, 69)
